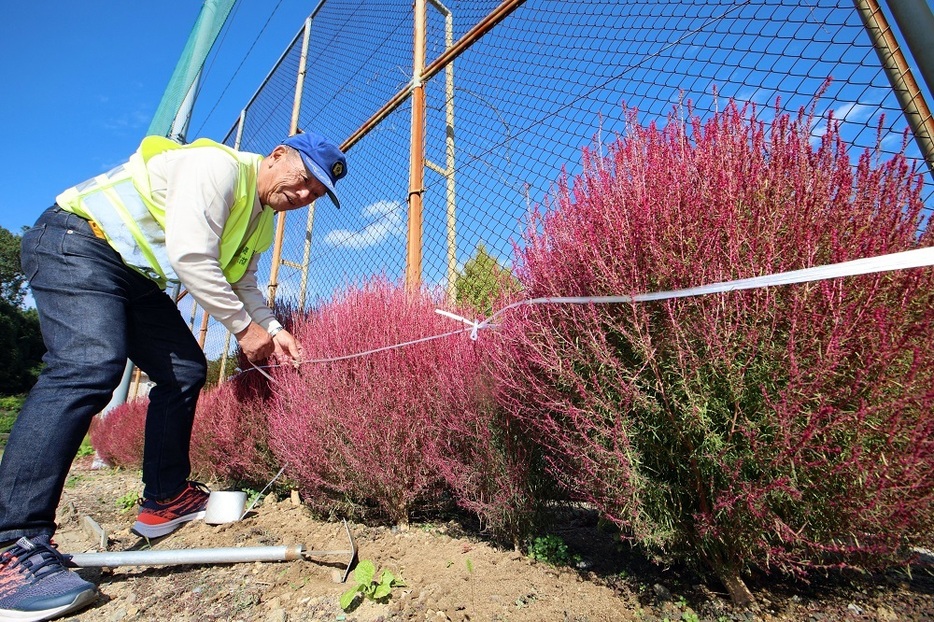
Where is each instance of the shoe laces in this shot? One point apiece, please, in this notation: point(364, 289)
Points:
point(188, 486)
point(199, 487)
point(34, 557)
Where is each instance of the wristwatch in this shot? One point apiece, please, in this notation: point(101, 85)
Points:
point(275, 331)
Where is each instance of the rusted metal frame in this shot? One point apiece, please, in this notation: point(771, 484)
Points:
point(203, 333)
point(448, 170)
point(900, 77)
point(293, 126)
point(310, 214)
point(484, 26)
point(279, 62)
point(915, 21)
point(413, 257)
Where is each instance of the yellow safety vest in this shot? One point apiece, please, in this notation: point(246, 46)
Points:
point(132, 219)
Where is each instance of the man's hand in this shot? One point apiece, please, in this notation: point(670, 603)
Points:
point(256, 343)
point(287, 349)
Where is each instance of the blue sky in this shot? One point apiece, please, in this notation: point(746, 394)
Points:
point(82, 80)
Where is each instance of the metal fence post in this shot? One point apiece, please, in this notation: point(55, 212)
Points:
point(899, 74)
point(413, 260)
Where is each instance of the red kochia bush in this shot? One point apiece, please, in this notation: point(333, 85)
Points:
point(230, 441)
point(375, 429)
point(118, 436)
point(789, 427)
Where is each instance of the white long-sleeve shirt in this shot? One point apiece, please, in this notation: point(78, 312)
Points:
point(198, 186)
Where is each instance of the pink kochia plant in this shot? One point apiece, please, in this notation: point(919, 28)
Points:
point(230, 441)
point(374, 429)
point(783, 428)
point(118, 435)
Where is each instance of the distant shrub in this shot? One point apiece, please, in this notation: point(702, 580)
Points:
point(784, 428)
point(483, 283)
point(220, 369)
point(10, 405)
point(21, 345)
point(118, 435)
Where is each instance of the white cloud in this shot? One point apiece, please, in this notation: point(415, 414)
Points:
point(853, 112)
point(845, 113)
point(387, 221)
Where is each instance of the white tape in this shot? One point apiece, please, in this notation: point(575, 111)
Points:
point(895, 261)
point(883, 263)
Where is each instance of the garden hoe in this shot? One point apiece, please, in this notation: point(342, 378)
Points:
point(213, 556)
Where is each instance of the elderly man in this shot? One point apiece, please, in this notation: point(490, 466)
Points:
point(98, 262)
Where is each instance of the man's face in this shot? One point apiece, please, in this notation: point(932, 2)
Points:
point(284, 183)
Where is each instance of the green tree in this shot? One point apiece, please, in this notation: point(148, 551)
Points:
point(21, 346)
point(12, 279)
point(483, 282)
point(21, 349)
point(214, 370)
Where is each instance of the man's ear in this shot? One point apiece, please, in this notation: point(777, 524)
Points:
point(276, 154)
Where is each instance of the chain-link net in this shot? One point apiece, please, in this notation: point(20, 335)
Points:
point(206, 29)
point(519, 103)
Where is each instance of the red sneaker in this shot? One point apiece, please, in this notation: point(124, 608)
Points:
point(159, 518)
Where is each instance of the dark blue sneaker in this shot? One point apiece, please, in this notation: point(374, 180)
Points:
point(35, 584)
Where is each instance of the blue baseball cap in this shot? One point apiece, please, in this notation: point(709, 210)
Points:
point(322, 158)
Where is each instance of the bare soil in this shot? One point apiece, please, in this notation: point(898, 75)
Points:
point(450, 573)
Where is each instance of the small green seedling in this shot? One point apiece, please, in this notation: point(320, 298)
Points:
point(128, 501)
point(252, 496)
point(86, 449)
point(552, 550)
point(367, 587)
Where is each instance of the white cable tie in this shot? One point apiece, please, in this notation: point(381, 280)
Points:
point(474, 326)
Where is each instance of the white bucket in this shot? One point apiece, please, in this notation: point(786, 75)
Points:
point(224, 506)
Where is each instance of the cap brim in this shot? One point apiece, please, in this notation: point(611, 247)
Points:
point(321, 176)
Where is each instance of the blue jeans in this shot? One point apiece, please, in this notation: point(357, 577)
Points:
point(94, 312)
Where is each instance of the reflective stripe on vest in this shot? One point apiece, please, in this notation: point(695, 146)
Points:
point(124, 227)
point(122, 204)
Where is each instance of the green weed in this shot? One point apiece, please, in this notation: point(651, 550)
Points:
point(11, 404)
point(367, 587)
point(252, 496)
point(86, 449)
point(127, 501)
point(552, 549)
point(73, 480)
